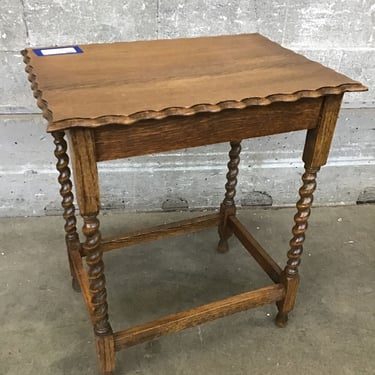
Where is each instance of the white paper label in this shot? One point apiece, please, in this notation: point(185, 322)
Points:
point(58, 51)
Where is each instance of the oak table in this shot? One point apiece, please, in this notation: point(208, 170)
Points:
point(128, 99)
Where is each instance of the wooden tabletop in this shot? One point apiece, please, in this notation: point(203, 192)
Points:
point(127, 82)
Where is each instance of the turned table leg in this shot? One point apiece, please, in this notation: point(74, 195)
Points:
point(290, 276)
point(71, 237)
point(98, 292)
point(228, 206)
point(88, 197)
point(315, 154)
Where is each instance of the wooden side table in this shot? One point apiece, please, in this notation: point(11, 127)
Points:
point(128, 99)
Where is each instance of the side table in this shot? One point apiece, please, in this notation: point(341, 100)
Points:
point(128, 99)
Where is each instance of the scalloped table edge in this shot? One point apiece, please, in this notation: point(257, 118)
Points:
point(176, 111)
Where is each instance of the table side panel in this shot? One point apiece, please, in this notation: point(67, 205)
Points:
point(177, 132)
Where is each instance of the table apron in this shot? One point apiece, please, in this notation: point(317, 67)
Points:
point(115, 141)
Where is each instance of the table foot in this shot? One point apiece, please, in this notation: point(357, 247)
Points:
point(105, 348)
point(281, 319)
point(222, 246)
point(75, 285)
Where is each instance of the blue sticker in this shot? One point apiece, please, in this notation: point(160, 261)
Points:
point(57, 51)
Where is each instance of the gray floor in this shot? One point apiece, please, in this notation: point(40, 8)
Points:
point(45, 329)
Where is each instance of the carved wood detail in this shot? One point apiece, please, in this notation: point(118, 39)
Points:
point(62, 165)
point(242, 61)
point(228, 206)
point(66, 185)
point(95, 274)
point(234, 161)
point(300, 219)
point(42, 103)
point(201, 85)
point(290, 276)
point(202, 108)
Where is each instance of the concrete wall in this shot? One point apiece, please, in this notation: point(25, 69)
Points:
point(340, 34)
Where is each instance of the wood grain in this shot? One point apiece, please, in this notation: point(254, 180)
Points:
point(81, 275)
point(286, 305)
point(173, 133)
point(255, 249)
point(126, 99)
point(318, 140)
point(86, 178)
point(190, 318)
point(105, 349)
point(161, 231)
point(127, 82)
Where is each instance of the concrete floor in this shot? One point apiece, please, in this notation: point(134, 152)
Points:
point(45, 328)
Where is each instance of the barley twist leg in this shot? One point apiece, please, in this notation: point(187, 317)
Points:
point(62, 165)
point(290, 275)
point(95, 274)
point(228, 206)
